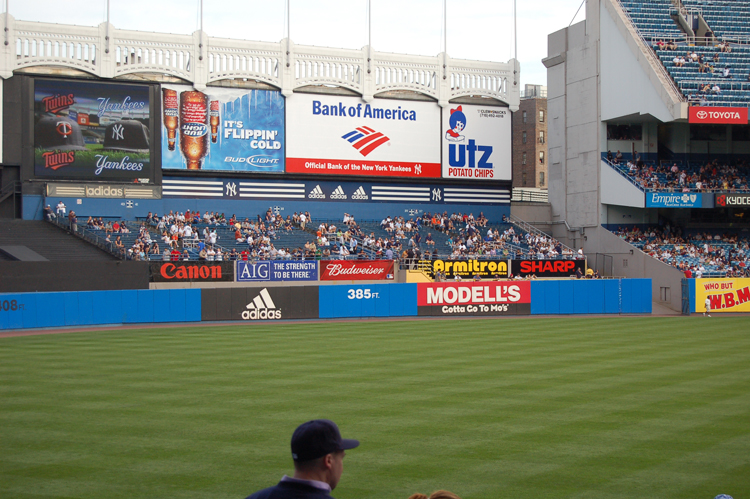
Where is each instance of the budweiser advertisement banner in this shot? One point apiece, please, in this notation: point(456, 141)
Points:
point(222, 129)
point(356, 270)
point(547, 268)
point(474, 298)
point(466, 269)
point(90, 130)
point(191, 271)
point(724, 295)
point(718, 115)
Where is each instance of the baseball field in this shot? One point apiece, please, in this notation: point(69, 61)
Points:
point(550, 408)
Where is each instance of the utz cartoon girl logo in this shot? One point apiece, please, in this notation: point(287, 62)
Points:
point(457, 123)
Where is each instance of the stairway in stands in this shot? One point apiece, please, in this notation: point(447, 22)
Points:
point(48, 241)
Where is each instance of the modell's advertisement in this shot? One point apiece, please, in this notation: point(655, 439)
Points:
point(335, 135)
point(222, 129)
point(87, 130)
point(476, 143)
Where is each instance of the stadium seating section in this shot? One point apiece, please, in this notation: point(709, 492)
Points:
point(728, 20)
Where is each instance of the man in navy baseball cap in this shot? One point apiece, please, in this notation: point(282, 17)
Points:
point(318, 452)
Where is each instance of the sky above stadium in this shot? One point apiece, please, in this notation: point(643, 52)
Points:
point(477, 29)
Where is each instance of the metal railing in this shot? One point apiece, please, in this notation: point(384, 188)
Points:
point(530, 195)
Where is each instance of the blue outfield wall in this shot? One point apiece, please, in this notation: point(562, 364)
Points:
point(89, 308)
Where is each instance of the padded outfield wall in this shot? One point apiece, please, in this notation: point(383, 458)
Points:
point(452, 299)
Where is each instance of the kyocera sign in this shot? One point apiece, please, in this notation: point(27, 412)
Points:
point(718, 115)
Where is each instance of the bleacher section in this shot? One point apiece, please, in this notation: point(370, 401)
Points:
point(660, 178)
point(728, 20)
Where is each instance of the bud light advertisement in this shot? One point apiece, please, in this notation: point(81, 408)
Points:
point(476, 143)
point(222, 129)
point(86, 130)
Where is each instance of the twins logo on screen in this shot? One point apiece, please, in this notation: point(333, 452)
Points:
point(457, 123)
point(365, 139)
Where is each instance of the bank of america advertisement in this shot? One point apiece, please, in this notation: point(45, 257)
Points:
point(222, 129)
point(337, 135)
point(90, 130)
point(476, 143)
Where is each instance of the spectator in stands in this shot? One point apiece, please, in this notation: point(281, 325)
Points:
point(61, 209)
point(175, 254)
point(49, 215)
point(726, 72)
point(73, 221)
point(716, 89)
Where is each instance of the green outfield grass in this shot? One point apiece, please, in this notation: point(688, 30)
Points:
point(533, 408)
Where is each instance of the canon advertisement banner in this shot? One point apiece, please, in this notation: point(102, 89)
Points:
point(717, 115)
point(191, 271)
point(277, 271)
point(356, 270)
point(723, 200)
point(222, 129)
point(337, 135)
point(467, 269)
point(476, 143)
point(93, 131)
point(547, 268)
point(471, 298)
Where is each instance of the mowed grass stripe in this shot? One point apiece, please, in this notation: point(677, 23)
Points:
point(605, 407)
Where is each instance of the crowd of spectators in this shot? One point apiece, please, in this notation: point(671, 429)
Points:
point(696, 255)
point(710, 177)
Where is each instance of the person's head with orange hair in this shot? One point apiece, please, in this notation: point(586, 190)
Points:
point(438, 494)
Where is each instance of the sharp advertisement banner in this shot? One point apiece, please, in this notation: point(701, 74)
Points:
point(717, 115)
point(338, 135)
point(222, 129)
point(723, 200)
point(724, 295)
point(476, 143)
point(277, 271)
point(259, 303)
point(466, 269)
point(491, 298)
point(191, 271)
point(93, 131)
point(356, 270)
point(678, 200)
point(547, 268)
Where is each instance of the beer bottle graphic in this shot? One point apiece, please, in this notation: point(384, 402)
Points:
point(193, 128)
point(169, 98)
point(215, 119)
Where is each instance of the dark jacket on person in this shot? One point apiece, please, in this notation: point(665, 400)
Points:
point(291, 490)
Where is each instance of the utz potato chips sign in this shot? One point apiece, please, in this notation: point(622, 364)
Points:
point(86, 130)
point(222, 129)
point(724, 295)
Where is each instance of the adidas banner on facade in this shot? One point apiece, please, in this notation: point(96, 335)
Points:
point(259, 303)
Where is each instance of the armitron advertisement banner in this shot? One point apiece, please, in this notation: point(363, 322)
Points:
point(476, 143)
point(725, 295)
point(466, 269)
point(474, 298)
point(547, 268)
point(90, 130)
point(191, 271)
point(222, 129)
point(356, 270)
point(338, 135)
point(718, 115)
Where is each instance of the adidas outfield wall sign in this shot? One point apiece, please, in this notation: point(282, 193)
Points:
point(259, 303)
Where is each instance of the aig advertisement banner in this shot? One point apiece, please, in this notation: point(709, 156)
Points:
point(476, 143)
point(338, 135)
point(724, 295)
point(495, 298)
point(222, 129)
point(93, 131)
point(277, 271)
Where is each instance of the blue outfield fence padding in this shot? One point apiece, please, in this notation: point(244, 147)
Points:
point(591, 296)
point(89, 308)
point(368, 300)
